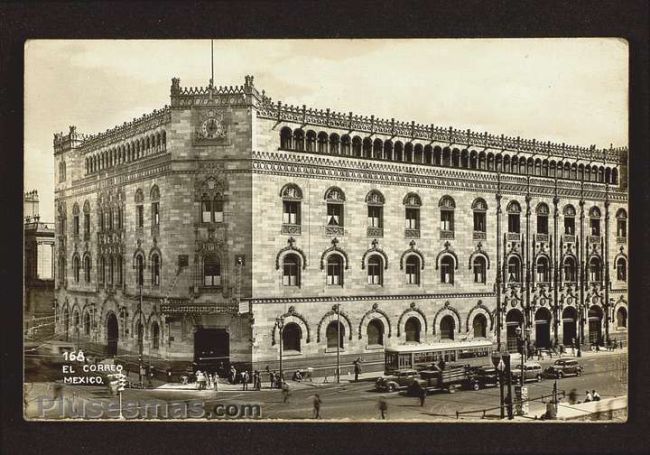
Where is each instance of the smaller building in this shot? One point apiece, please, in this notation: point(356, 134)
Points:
point(38, 322)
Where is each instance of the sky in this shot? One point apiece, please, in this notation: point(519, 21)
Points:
point(563, 90)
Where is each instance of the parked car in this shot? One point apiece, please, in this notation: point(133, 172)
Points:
point(481, 377)
point(532, 371)
point(563, 367)
point(400, 379)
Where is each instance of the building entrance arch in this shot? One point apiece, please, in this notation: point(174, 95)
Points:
point(595, 317)
point(569, 331)
point(112, 334)
point(543, 328)
point(514, 319)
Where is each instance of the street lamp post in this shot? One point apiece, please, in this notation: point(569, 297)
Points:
point(140, 337)
point(337, 308)
point(279, 322)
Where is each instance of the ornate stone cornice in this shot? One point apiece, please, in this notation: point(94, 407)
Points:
point(358, 298)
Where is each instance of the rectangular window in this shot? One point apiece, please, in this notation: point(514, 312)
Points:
point(290, 274)
point(542, 224)
point(334, 214)
point(447, 220)
point(621, 228)
point(140, 216)
point(479, 221)
point(374, 216)
point(155, 213)
point(513, 223)
point(101, 221)
point(110, 220)
point(479, 272)
point(374, 274)
point(44, 261)
point(118, 213)
point(218, 211)
point(290, 213)
point(446, 275)
point(595, 226)
point(212, 274)
point(76, 225)
point(206, 211)
point(412, 274)
point(569, 226)
point(412, 218)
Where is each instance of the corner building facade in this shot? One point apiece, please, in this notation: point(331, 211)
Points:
point(227, 225)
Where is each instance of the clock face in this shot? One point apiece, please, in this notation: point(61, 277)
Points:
point(212, 128)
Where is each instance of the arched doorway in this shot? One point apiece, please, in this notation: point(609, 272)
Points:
point(569, 332)
point(514, 319)
point(291, 335)
point(621, 318)
point(412, 329)
point(595, 317)
point(112, 334)
point(543, 328)
point(333, 331)
point(447, 327)
point(480, 326)
point(375, 332)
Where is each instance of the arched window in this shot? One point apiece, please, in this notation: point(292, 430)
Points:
point(570, 270)
point(206, 209)
point(542, 270)
point(87, 324)
point(139, 266)
point(322, 142)
point(621, 269)
point(375, 265)
point(594, 221)
point(86, 220)
point(333, 330)
point(447, 269)
point(479, 207)
point(291, 335)
point(291, 270)
point(155, 270)
point(299, 140)
point(542, 218)
point(120, 273)
point(335, 200)
point(311, 141)
point(447, 326)
point(285, 138)
point(480, 326)
point(479, 269)
point(447, 207)
point(514, 270)
point(412, 204)
point(375, 202)
point(102, 270)
point(346, 144)
point(75, 219)
point(211, 271)
point(334, 144)
point(621, 224)
point(569, 213)
point(356, 146)
point(139, 209)
point(155, 336)
point(155, 206)
point(413, 269)
point(87, 266)
point(76, 267)
point(375, 332)
point(514, 211)
point(595, 270)
point(412, 329)
point(111, 269)
point(335, 270)
point(621, 318)
point(291, 197)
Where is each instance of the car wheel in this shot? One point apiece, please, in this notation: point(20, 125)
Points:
point(560, 375)
point(539, 378)
point(391, 388)
point(476, 386)
point(578, 373)
point(452, 390)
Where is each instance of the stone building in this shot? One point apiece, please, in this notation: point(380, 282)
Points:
point(218, 226)
point(38, 315)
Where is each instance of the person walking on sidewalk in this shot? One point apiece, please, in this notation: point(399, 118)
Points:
point(317, 403)
point(285, 392)
point(357, 369)
point(383, 407)
point(423, 395)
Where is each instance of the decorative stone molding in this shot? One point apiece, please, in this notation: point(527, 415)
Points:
point(411, 250)
point(329, 316)
point(447, 309)
point(334, 249)
point(480, 307)
point(375, 310)
point(412, 310)
point(377, 250)
point(291, 247)
point(449, 251)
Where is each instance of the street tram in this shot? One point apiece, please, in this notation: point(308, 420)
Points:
point(420, 356)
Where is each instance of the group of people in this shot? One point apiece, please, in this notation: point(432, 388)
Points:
point(206, 381)
point(589, 396)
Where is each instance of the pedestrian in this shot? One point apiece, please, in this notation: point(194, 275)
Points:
point(258, 380)
point(169, 375)
point(357, 369)
point(317, 403)
point(589, 397)
point(383, 407)
point(423, 395)
point(272, 378)
point(244, 380)
point(233, 374)
point(215, 382)
point(573, 346)
point(285, 392)
point(200, 380)
point(539, 354)
point(595, 396)
point(573, 396)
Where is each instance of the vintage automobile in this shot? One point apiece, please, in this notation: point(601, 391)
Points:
point(532, 371)
point(447, 379)
point(481, 377)
point(400, 379)
point(563, 367)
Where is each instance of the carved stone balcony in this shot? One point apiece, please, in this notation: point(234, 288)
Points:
point(292, 229)
point(621, 240)
point(479, 235)
point(513, 236)
point(334, 231)
point(568, 238)
point(446, 235)
point(375, 232)
point(593, 238)
point(411, 233)
point(541, 237)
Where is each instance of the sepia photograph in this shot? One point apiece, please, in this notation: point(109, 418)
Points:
point(326, 230)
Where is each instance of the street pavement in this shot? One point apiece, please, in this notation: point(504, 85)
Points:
point(604, 371)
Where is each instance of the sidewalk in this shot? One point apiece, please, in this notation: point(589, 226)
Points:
point(605, 409)
point(586, 354)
